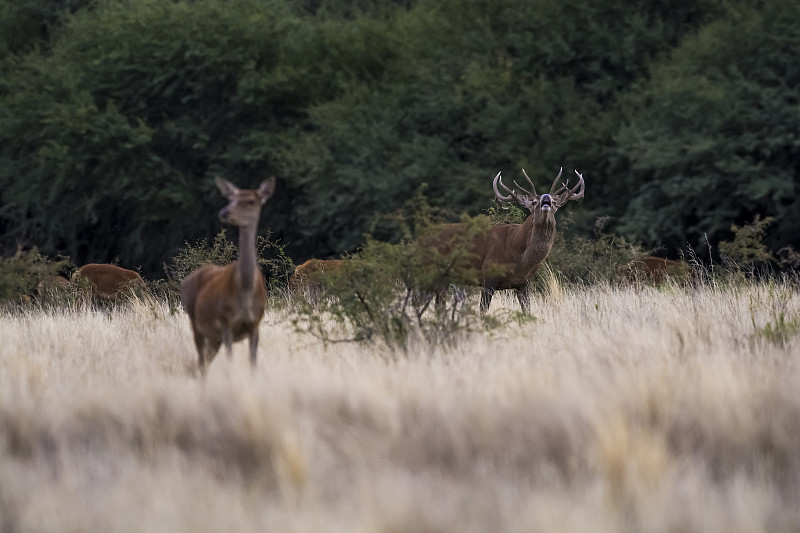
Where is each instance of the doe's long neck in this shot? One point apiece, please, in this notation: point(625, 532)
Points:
point(247, 263)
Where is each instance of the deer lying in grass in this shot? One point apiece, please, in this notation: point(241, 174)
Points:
point(651, 268)
point(507, 255)
point(109, 281)
point(226, 303)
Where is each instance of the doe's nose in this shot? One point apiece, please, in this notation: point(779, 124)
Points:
point(224, 214)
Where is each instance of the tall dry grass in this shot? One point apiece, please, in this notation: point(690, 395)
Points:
point(618, 409)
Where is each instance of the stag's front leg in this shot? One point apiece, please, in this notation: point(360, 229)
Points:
point(227, 340)
point(253, 346)
point(487, 291)
point(209, 352)
point(200, 343)
point(524, 297)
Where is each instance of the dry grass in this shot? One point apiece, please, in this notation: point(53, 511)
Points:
point(618, 410)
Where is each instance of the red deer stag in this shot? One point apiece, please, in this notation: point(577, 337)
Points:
point(655, 269)
point(108, 281)
point(226, 303)
point(507, 255)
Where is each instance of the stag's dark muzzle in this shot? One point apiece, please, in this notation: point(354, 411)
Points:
point(546, 202)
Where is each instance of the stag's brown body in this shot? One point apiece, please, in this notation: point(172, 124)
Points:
point(226, 303)
point(109, 280)
point(655, 269)
point(507, 255)
point(305, 273)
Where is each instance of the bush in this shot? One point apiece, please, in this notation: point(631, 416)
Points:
point(575, 258)
point(387, 293)
point(271, 256)
point(25, 275)
point(747, 248)
point(399, 294)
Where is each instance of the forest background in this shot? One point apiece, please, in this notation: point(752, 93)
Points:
point(115, 116)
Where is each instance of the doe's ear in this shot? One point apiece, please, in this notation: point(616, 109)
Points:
point(226, 188)
point(266, 189)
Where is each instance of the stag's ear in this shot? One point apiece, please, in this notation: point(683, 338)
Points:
point(226, 188)
point(266, 189)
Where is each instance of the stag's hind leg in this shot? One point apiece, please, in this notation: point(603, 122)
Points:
point(524, 297)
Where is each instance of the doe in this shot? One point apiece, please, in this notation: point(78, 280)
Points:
point(226, 303)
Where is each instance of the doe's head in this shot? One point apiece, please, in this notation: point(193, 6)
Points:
point(244, 205)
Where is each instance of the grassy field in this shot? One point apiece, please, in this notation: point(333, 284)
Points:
point(616, 410)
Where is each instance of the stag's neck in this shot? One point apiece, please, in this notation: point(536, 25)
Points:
point(538, 232)
point(246, 265)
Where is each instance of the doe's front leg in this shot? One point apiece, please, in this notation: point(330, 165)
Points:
point(253, 346)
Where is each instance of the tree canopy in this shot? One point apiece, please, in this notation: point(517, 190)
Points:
point(115, 116)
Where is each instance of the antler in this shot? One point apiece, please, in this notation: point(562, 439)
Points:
point(499, 196)
point(555, 182)
point(524, 201)
point(565, 194)
point(529, 183)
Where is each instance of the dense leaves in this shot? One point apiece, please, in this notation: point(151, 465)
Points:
point(713, 137)
point(115, 116)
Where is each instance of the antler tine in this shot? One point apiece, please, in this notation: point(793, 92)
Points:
point(579, 194)
point(553, 191)
point(565, 194)
point(497, 193)
point(533, 188)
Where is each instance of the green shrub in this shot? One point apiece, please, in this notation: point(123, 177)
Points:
point(783, 322)
point(388, 292)
point(575, 258)
point(747, 248)
point(271, 257)
point(22, 274)
point(779, 330)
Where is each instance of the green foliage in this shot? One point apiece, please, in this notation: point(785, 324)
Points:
point(747, 247)
point(138, 106)
point(271, 255)
point(28, 24)
point(712, 139)
point(506, 214)
point(779, 330)
point(789, 258)
point(113, 124)
point(387, 292)
point(580, 259)
point(220, 251)
point(22, 273)
point(783, 323)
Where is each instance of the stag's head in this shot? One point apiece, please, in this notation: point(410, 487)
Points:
point(244, 207)
point(544, 205)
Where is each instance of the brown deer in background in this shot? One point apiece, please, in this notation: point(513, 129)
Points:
point(308, 275)
point(507, 255)
point(226, 303)
point(655, 269)
point(109, 281)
